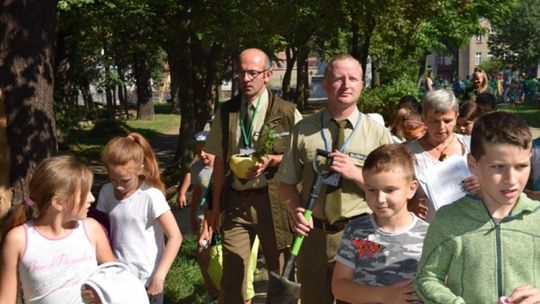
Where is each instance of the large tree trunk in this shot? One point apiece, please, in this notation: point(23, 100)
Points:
point(26, 79)
point(5, 189)
point(145, 107)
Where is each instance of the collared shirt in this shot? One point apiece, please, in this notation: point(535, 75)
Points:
point(213, 143)
point(297, 168)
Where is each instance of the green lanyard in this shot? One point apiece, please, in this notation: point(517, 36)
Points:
point(247, 138)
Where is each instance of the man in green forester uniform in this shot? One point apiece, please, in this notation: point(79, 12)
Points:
point(350, 136)
point(250, 206)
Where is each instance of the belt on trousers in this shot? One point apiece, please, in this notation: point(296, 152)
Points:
point(337, 226)
point(251, 192)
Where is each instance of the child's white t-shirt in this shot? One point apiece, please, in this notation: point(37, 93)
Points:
point(137, 237)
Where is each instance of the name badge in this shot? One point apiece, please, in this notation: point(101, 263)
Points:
point(282, 134)
point(246, 151)
point(358, 156)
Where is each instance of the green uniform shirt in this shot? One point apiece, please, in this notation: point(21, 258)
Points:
point(297, 166)
point(213, 143)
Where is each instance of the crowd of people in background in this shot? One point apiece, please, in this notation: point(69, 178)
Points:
point(507, 85)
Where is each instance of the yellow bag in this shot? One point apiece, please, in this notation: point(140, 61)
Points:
point(215, 266)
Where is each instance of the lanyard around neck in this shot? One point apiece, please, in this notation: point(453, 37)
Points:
point(245, 136)
point(345, 143)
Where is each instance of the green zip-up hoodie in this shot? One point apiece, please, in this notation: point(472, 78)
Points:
point(467, 258)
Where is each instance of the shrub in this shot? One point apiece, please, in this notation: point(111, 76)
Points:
point(384, 99)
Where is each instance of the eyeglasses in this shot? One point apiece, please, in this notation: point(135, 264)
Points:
point(252, 74)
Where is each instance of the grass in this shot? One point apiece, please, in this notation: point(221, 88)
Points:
point(88, 141)
point(184, 281)
point(530, 113)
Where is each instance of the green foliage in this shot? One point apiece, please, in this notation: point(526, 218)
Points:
point(267, 141)
point(516, 39)
point(384, 99)
point(491, 65)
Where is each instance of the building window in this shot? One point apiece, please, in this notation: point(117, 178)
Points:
point(478, 38)
point(490, 56)
point(441, 60)
point(478, 58)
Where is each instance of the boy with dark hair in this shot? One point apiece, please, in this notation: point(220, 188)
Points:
point(484, 248)
point(378, 255)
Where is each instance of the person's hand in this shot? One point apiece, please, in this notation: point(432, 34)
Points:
point(89, 295)
point(343, 164)
point(205, 237)
point(301, 226)
point(419, 206)
point(156, 285)
point(471, 184)
point(526, 294)
point(402, 292)
point(181, 200)
point(259, 168)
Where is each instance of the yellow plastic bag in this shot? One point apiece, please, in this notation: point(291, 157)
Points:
point(215, 266)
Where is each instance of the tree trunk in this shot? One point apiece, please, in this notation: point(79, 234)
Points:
point(62, 70)
point(87, 97)
point(302, 78)
point(26, 80)
point(122, 97)
point(145, 106)
point(360, 50)
point(171, 57)
point(5, 191)
point(291, 54)
point(108, 97)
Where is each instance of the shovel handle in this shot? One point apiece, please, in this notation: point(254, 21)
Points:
point(300, 238)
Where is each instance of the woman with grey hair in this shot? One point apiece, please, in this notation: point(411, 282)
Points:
point(440, 110)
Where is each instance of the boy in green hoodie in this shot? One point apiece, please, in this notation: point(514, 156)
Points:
point(484, 248)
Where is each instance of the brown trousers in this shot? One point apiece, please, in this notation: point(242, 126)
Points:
point(245, 217)
point(315, 266)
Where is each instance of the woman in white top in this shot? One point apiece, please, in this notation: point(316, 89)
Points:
point(439, 111)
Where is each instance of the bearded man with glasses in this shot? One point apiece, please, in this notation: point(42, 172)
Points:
point(250, 206)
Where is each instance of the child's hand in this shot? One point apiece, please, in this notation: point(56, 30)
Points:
point(181, 200)
point(400, 293)
point(89, 295)
point(156, 286)
point(524, 295)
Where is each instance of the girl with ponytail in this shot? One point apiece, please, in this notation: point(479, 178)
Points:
point(139, 214)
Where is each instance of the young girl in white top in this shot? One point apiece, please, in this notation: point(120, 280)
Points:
point(52, 246)
point(139, 215)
